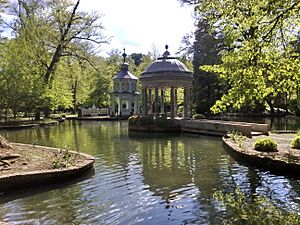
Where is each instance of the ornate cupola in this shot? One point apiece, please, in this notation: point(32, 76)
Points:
point(166, 73)
point(124, 97)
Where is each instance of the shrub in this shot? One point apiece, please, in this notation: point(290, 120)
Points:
point(147, 121)
point(165, 123)
point(64, 159)
point(56, 116)
point(266, 145)
point(296, 142)
point(237, 137)
point(140, 121)
point(198, 116)
point(134, 120)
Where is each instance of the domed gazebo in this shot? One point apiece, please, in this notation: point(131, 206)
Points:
point(124, 93)
point(166, 73)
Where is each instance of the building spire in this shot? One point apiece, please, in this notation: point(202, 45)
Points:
point(124, 56)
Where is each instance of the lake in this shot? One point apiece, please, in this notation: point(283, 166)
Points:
point(139, 178)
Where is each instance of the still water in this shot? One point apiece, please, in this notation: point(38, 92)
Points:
point(139, 179)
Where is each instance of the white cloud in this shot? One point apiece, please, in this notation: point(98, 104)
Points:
point(137, 25)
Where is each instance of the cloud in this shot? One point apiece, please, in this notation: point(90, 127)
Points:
point(140, 23)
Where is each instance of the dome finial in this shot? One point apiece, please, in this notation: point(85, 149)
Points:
point(124, 55)
point(166, 53)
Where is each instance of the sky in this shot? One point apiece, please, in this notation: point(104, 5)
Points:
point(142, 25)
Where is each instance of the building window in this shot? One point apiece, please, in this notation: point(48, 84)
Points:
point(124, 105)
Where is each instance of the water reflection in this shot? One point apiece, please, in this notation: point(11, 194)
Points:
point(141, 178)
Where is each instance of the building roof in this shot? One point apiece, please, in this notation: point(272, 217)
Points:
point(124, 73)
point(166, 71)
point(166, 64)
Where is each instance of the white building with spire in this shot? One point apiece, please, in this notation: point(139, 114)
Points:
point(124, 97)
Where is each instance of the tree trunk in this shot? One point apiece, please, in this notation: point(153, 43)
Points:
point(37, 115)
point(271, 106)
point(62, 44)
point(298, 98)
point(75, 97)
point(47, 113)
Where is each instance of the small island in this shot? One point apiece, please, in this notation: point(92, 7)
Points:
point(30, 165)
point(276, 151)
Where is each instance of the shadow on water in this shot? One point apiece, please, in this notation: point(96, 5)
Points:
point(23, 192)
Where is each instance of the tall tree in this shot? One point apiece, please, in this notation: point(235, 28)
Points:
point(55, 30)
point(208, 86)
point(257, 64)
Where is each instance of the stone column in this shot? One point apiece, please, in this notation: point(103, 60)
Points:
point(185, 103)
point(119, 106)
point(189, 102)
point(130, 101)
point(175, 102)
point(150, 102)
point(156, 103)
point(145, 102)
point(138, 105)
point(172, 103)
point(162, 101)
point(134, 104)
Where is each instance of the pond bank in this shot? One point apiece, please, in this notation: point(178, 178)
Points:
point(285, 161)
point(23, 165)
point(197, 126)
point(28, 124)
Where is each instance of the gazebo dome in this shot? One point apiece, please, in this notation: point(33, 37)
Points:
point(166, 64)
point(166, 71)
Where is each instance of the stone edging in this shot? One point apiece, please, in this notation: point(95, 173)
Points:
point(262, 160)
point(30, 125)
point(34, 178)
point(153, 129)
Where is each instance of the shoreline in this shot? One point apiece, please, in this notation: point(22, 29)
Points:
point(22, 177)
point(286, 161)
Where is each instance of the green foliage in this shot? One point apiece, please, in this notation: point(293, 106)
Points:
point(241, 209)
point(64, 159)
point(48, 64)
point(134, 120)
point(266, 145)
point(146, 121)
point(237, 137)
point(296, 142)
point(260, 63)
point(56, 116)
point(141, 121)
point(198, 116)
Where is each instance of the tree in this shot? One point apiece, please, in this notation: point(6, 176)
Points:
point(20, 83)
point(208, 87)
point(257, 64)
point(55, 30)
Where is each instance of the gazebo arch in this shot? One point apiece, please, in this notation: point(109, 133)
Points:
point(165, 73)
